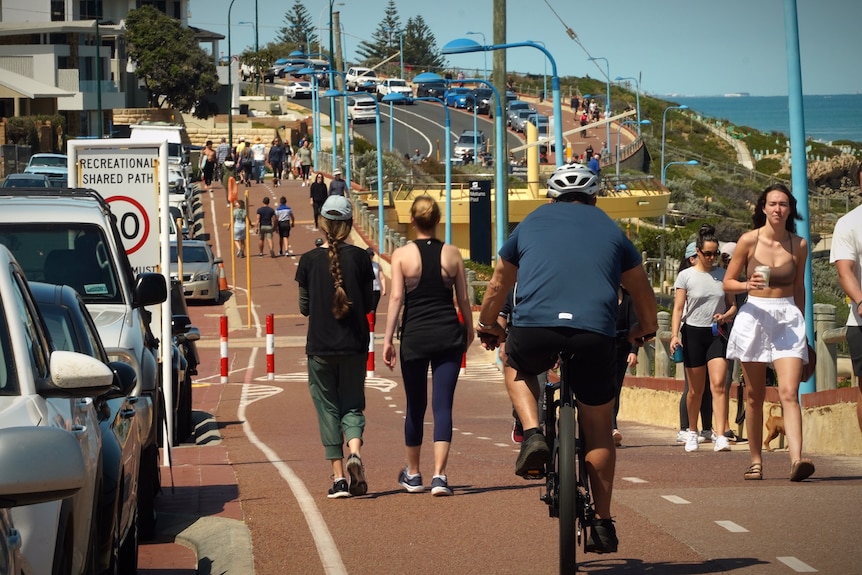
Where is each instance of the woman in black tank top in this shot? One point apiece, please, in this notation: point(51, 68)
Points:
point(770, 326)
point(424, 275)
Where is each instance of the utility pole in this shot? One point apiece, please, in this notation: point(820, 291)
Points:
point(499, 80)
point(337, 57)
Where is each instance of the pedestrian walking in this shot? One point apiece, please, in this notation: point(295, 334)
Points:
point(317, 194)
point(379, 286)
point(208, 157)
point(258, 153)
point(286, 221)
point(626, 351)
point(266, 222)
point(240, 222)
point(425, 273)
point(335, 295)
point(770, 325)
point(305, 161)
point(337, 187)
point(275, 160)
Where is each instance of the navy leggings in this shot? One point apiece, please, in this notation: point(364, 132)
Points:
point(444, 377)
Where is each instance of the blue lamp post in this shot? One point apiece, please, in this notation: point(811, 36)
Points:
point(664, 233)
point(608, 98)
point(637, 96)
point(620, 129)
point(466, 46)
point(380, 217)
point(484, 55)
point(663, 125)
point(499, 149)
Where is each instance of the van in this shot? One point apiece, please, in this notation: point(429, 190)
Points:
point(174, 134)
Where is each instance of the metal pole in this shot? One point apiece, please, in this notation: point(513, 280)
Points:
point(99, 120)
point(229, 80)
point(256, 49)
point(380, 216)
point(391, 127)
point(799, 161)
point(401, 51)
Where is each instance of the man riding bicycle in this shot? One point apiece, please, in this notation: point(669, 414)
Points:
point(568, 258)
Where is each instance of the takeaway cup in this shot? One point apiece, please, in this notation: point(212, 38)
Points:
point(764, 271)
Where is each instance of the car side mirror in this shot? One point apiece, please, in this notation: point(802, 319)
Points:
point(125, 380)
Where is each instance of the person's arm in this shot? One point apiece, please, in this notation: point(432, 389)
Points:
point(303, 301)
point(679, 296)
point(502, 280)
point(396, 297)
point(381, 278)
point(637, 284)
point(847, 277)
point(292, 219)
point(461, 292)
point(738, 263)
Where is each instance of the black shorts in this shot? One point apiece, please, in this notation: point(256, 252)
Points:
point(534, 350)
point(854, 342)
point(699, 346)
point(284, 229)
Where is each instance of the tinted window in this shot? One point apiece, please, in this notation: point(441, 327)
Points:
point(34, 338)
point(8, 376)
point(191, 254)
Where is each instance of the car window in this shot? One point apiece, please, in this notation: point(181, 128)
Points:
point(191, 254)
point(49, 161)
point(36, 344)
point(8, 375)
point(65, 253)
point(59, 326)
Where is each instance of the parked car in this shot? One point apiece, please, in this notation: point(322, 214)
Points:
point(71, 328)
point(26, 181)
point(200, 270)
point(42, 387)
point(53, 166)
point(359, 79)
point(186, 361)
point(519, 123)
point(469, 140)
point(37, 465)
point(298, 89)
point(361, 108)
point(435, 89)
point(512, 109)
point(397, 86)
point(457, 97)
point(70, 236)
point(481, 99)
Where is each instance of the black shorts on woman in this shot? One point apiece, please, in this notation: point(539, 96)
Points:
point(534, 350)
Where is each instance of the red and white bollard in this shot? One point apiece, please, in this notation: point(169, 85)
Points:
point(223, 348)
point(270, 347)
point(463, 369)
point(369, 364)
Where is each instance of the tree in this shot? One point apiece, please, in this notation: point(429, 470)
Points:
point(420, 46)
point(299, 28)
point(384, 40)
point(174, 68)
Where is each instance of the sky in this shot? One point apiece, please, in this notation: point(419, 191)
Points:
point(680, 47)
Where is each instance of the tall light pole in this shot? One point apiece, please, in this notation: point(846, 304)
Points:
point(637, 96)
point(484, 54)
point(663, 226)
point(619, 131)
point(500, 151)
point(229, 79)
point(544, 74)
point(608, 97)
point(99, 119)
point(663, 126)
point(466, 46)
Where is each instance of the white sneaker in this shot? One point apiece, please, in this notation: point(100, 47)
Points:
point(691, 441)
point(721, 444)
point(618, 437)
point(682, 437)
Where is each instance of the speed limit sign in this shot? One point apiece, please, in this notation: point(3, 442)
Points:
point(132, 221)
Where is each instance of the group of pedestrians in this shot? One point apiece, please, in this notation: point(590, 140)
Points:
point(250, 162)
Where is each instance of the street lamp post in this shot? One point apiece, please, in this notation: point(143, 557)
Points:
point(500, 151)
point(484, 55)
point(619, 131)
point(229, 79)
point(637, 96)
point(345, 122)
point(663, 125)
point(608, 98)
point(544, 75)
point(663, 226)
point(465, 46)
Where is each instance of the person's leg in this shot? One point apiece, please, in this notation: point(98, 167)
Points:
point(696, 383)
point(622, 366)
point(444, 378)
point(414, 375)
point(351, 390)
point(595, 422)
point(523, 392)
point(755, 391)
point(683, 405)
point(788, 371)
point(323, 386)
point(717, 369)
point(260, 237)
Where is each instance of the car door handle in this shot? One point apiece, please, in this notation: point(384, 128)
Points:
point(133, 399)
point(79, 429)
point(127, 413)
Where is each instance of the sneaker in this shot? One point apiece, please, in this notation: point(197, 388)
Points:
point(618, 437)
point(440, 486)
point(707, 435)
point(356, 473)
point(411, 484)
point(533, 455)
point(721, 444)
point(517, 431)
point(682, 436)
point(339, 489)
point(691, 441)
point(602, 537)
point(731, 436)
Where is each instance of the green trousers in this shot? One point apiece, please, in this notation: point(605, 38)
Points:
point(337, 386)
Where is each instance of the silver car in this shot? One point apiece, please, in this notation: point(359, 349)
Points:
point(200, 270)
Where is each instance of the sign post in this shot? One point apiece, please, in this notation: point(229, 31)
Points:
point(480, 221)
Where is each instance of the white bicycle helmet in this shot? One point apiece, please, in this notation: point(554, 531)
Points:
point(570, 178)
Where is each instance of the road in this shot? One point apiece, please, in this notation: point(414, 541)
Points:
point(676, 513)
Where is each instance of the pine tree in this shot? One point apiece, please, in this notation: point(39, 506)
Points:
point(384, 41)
point(420, 46)
point(298, 24)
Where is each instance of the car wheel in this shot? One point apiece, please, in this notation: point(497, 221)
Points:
point(127, 558)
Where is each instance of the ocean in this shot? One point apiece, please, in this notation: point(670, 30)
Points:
point(827, 118)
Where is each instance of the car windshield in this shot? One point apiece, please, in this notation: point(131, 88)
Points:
point(48, 161)
point(483, 92)
point(61, 253)
point(25, 182)
point(468, 139)
point(8, 376)
point(191, 254)
point(399, 83)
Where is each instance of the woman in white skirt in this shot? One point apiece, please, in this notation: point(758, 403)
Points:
point(770, 327)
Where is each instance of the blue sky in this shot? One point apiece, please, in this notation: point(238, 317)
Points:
point(684, 47)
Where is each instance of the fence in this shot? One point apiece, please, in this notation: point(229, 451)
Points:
point(14, 158)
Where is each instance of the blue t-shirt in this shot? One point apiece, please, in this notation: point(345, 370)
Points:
point(570, 258)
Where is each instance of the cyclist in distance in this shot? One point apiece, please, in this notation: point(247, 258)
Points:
point(568, 258)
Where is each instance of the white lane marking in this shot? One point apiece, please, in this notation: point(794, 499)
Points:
point(466, 433)
point(483, 437)
point(502, 445)
point(676, 499)
point(797, 565)
point(732, 527)
point(635, 480)
point(326, 547)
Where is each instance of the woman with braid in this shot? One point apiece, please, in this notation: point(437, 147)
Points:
point(424, 273)
point(335, 294)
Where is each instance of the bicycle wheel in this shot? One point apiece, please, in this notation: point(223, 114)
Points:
point(567, 488)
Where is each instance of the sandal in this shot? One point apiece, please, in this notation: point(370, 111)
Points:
point(801, 469)
point(754, 472)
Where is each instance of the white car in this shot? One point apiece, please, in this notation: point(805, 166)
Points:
point(45, 388)
point(395, 86)
point(361, 108)
point(200, 270)
point(300, 89)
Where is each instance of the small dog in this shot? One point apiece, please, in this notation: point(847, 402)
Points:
point(774, 426)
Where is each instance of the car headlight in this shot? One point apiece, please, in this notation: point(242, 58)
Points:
point(202, 277)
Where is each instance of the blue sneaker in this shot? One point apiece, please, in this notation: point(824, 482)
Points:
point(440, 486)
point(411, 484)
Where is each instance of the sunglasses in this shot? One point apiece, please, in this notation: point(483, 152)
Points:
point(714, 254)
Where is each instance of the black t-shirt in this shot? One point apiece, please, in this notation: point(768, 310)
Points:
point(265, 215)
point(327, 335)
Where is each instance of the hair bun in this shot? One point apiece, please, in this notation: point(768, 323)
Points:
point(706, 230)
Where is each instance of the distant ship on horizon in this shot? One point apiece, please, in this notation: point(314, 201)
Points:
point(736, 95)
